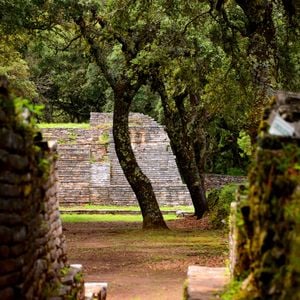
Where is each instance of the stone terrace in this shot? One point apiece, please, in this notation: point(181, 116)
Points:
point(89, 171)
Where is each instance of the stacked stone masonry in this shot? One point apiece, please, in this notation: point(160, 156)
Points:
point(89, 171)
point(32, 245)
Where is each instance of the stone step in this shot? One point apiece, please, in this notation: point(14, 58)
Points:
point(95, 290)
point(204, 282)
point(120, 212)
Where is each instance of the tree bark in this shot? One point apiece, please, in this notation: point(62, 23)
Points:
point(141, 185)
point(186, 148)
point(123, 95)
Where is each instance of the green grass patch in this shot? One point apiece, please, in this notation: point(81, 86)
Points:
point(76, 218)
point(129, 208)
point(64, 125)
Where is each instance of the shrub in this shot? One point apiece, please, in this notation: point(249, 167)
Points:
point(219, 201)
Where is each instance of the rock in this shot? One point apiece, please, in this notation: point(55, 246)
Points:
point(9, 279)
point(10, 190)
point(8, 266)
point(6, 235)
point(4, 252)
point(10, 218)
point(20, 234)
point(7, 294)
point(17, 162)
point(95, 290)
point(11, 141)
point(180, 213)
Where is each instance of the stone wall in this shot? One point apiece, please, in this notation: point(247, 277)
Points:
point(89, 171)
point(266, 229)
point(32, 245)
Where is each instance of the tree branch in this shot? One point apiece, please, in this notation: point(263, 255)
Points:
point(96, 52)
point(194, 19)
point(70, 43)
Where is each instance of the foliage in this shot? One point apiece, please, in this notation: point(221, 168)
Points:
point(219, 201)
point(15, 68)
point(212, 65)
point(69, 83)
point(224, 155)
point(231, 290)
point(244, 143)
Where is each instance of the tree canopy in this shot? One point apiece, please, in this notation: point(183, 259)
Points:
point(206, 69)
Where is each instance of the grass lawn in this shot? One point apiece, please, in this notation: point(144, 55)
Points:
point(76, 218)
point(64, 125)
point(129, 208)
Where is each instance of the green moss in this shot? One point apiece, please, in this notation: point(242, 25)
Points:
point(61, 141)
point(185, 290)
point(231, 290)
point(64, 271)
point(103, 138)
point(272, 225)
point(219, 201)
point(78, 278)
point(72, 136)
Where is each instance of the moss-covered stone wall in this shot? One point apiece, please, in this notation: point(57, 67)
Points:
point(33, 259)
point(271, 216)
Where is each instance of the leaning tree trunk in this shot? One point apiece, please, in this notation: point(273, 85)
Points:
point(182, 144)
point(141, 185)
point(123, 95)
point(189, 171)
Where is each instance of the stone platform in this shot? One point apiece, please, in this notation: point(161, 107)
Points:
point(204, 282)
point(89, 171)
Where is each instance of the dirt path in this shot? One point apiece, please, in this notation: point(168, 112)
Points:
point(139, 265)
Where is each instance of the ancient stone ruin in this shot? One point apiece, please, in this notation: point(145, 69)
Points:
point(89, 171)
point(33, 260)
point(265, 227)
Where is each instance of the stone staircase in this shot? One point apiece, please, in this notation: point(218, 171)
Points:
point(89, 171)
point(151, 146)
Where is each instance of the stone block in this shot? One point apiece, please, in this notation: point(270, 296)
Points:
point(7, 294)
point(19, 234)
point(10, 190)
point(17, 162)
point(95, 290)
point(9, 279)
point(10, 140)
point(4, 252)
point(10, 219)
point(10, 177)
point(9, 266)
point(6, 235)
point(18, 249)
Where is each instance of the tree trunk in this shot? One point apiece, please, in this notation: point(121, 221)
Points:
point(141, 185)
point(183, 146)
point(123, 95)
point(188, 169)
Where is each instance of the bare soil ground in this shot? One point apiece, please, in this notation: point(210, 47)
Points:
point(139, 265)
